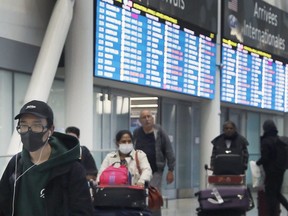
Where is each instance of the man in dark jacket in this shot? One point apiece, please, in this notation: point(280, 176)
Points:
point(154, 141)
point(46, 178)
point(86, 157)
point(274, 168)
point(230, 142)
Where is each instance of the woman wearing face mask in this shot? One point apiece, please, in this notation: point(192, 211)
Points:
point(125, 155)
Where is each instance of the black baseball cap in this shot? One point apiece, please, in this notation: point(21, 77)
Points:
point(37, 108)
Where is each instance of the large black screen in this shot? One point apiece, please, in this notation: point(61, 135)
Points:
point(139, 45)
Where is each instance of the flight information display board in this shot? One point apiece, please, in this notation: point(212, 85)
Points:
point(253, 77)
point(139, 45)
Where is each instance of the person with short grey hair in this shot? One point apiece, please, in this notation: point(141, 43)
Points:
point(154, 141)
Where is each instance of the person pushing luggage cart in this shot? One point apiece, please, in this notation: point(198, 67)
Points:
point(226, 192)
point(230, 153)
point(121, 187)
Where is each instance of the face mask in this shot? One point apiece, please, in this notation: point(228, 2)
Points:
point(32, 141)
point(126, 148)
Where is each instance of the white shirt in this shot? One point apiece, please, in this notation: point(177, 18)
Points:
point(228, 143)
point(146, 170)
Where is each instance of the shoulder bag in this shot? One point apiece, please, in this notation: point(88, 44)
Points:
point(155, 199)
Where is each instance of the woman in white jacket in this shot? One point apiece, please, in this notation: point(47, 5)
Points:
point(126, 155)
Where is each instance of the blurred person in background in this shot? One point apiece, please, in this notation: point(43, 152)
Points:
point(86, 157)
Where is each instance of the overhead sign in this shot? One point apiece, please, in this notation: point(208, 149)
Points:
point(253, 77)
point(256, 24)
point(202, 13)
point(142, 46)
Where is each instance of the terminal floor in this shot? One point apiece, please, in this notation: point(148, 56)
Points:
point(185, 207)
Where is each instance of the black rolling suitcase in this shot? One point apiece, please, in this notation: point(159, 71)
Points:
point(262, 204)
point(121, 212)
point(228, 164)
point(120, 197)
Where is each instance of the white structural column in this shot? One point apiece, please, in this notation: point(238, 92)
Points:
point(79, 72)
point(285, 130)
point(210, 128)
point(285, 133)
point(210, 115)
point(48, 58)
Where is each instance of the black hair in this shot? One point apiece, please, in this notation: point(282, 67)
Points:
point(121, 133)
point(269, 125)
point(229, 123)
point(74, 130)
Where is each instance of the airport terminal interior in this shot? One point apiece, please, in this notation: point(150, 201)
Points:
point(193, 63)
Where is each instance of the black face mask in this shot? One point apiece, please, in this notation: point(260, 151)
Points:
point(32, 141)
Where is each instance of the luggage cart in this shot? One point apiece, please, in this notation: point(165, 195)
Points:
point(224, 195)
point(120, 200)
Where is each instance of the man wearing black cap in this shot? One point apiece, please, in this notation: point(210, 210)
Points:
point(45, 178)
point(272, 158)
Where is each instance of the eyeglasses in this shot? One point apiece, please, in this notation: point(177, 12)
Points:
point(36, 128)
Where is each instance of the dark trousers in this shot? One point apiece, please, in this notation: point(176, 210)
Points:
point(273, 185)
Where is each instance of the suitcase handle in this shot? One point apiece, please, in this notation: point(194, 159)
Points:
point(215, 192)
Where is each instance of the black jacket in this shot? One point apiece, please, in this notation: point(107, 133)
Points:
point(88, 162)
point(270, 153)
point(239, 145)
point(66, 191)
point(163, 148)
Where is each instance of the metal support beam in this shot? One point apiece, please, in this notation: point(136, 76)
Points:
point(48, 58)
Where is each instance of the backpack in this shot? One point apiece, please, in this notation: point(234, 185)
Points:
point(115, 176)
point(282, 151)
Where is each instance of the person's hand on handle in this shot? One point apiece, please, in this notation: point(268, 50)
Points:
point(139, 184)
